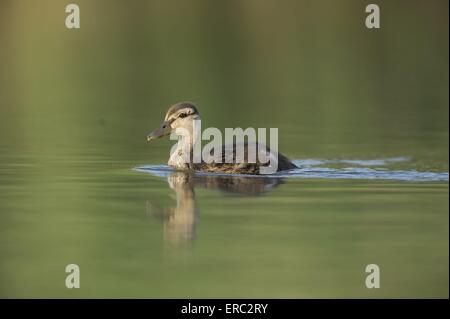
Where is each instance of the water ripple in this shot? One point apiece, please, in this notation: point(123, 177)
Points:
point(314, 168)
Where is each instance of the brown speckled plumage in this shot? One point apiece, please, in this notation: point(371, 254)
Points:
point(242, 168)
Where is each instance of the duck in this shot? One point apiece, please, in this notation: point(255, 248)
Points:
point(181, 116)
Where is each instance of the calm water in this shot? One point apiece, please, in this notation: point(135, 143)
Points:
point(365, 115)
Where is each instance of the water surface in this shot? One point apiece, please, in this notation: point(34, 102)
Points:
point(364, 112)
point(317, 168)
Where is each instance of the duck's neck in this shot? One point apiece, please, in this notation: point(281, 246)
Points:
point(182, 155)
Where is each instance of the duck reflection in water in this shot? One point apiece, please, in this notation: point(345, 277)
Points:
point(181, 220)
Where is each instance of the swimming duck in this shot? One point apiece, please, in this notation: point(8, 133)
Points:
point(181, 116)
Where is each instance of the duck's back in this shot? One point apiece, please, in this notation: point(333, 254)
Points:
point(228, 162)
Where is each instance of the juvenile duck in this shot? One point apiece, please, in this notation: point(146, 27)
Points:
point(182, 116)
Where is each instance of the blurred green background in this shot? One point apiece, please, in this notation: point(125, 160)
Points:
point(76, 106)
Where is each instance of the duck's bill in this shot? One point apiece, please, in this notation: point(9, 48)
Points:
point(161, 131)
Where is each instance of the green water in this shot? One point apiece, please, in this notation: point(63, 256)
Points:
point(76, 106)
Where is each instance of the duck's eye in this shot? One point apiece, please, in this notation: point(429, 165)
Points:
point(182, 115)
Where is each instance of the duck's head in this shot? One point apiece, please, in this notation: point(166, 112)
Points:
point(180, 115)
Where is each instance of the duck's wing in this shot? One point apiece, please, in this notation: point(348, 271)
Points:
point(243, 158)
